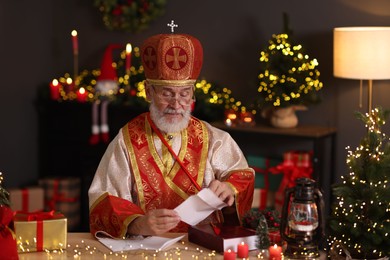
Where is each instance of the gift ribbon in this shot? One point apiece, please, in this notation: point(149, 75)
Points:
point(295, 165)
point(58, 197)
point(37, 215)
point(25, 199)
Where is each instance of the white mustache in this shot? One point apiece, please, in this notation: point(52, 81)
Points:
point(174, 111)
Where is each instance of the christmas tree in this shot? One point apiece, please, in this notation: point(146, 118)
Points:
point(287, 75)
point(264, 222)
point(359, 225)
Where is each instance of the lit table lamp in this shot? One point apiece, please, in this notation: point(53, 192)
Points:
point(362, 53)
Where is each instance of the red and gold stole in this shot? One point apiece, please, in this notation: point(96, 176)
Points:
point(156, 186)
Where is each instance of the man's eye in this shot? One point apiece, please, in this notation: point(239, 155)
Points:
point(166, 94)
point(185, 94)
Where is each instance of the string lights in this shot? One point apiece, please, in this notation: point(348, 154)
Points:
point(83, 249)
point(360, 220)
point(211, 100)
point(288, 76)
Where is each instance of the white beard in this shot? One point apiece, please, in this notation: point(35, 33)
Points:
point(159, 119)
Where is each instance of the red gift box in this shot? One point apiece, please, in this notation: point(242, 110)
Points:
point(296, 164)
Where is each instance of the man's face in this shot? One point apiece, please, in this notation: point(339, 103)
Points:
point(171, 106)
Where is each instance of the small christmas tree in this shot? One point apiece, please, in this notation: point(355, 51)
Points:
point(287, 75)
point(263, 221)
point(360, 220)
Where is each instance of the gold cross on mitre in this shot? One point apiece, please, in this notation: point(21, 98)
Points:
point(172, 25)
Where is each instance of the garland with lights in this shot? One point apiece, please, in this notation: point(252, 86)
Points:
point(211, 103)
point(129, 15)
point(287, 76)
point(360, 221)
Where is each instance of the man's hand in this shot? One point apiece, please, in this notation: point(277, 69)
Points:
point(155, 222)
point(223, 191)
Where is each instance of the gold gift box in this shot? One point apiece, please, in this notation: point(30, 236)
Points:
point(40, 235)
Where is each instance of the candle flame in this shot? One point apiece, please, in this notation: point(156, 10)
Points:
point(275, 246)
point(82, 90)
point(54, 82)
point(69, 81)
point(74, 33)
point(128, 48)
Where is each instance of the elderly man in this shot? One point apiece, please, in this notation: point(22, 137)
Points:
point(162, 157)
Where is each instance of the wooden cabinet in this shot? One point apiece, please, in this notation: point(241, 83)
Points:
point(64, 149)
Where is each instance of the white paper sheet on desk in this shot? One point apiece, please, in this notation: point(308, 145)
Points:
point(148, 243)
point(198, 207)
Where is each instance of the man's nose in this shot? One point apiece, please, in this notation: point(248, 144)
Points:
point(175, 102)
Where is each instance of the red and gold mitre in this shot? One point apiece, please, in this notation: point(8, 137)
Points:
point(172, 59)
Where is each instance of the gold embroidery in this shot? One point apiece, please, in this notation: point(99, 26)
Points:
point(156, 189)
point(134, 165)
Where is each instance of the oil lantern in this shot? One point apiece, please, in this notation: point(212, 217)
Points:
point(302, 224)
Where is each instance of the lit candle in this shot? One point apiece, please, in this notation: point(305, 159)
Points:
point(54, 89)
point(69, 85)
point(75, 42)
point(128, 58)
point(275, 252)
point(81, 95)
point(228, 122)
point(242, 250)
point(229, 255)
point(230, 117)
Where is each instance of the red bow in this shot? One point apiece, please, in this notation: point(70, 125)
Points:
point(57, 196)
point(37, 216)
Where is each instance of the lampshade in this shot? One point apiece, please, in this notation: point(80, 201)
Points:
point(361, 53)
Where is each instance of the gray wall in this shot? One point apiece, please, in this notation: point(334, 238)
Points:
point(35, 47)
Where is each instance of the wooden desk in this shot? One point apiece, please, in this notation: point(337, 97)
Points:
point(85, 246)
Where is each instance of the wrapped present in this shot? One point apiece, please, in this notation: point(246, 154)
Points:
point(40, 231)
point(7, 236)
point(63, 195)
point(296, 164)
point(266, 183)
point(27, 199)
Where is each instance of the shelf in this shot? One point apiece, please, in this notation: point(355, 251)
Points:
point(311, 132)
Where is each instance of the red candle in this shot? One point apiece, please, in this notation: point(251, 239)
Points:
point(54, 89)
point(128, 57)
point(75, 42)
point(242, 250)
point(229, 255)
point(275, 252)
point(81, 95)
point(69, 85)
